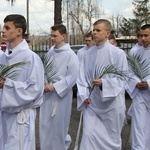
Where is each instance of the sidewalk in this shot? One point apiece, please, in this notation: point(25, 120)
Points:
point(74, 127)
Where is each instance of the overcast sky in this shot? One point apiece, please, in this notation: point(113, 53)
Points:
point(42, 17)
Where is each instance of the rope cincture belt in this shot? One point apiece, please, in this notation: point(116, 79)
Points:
point(21, 119)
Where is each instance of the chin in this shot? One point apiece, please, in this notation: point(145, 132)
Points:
point(4, 38)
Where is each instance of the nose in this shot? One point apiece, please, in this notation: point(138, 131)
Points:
point(142, 37)
point(3, 30)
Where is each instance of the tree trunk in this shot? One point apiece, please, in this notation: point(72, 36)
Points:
point(12, 2)
point(57, 12)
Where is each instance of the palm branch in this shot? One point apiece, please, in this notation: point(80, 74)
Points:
point(50, 69)
point(109, 69)
point(78, 132)
point(139, 66)
point(9, 71)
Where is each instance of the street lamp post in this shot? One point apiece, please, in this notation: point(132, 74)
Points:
point(27, 17)
point(68, 37)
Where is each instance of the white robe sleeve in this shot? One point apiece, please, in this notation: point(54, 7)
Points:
point(81, 97)
point(80, 55)
point(69, 80)
point(131, 86)
point(83, 90)
point(18, 95)
point(113, 85)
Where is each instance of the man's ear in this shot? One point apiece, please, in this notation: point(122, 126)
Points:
point(65, 36)
point(108, 34)
point(19, 31)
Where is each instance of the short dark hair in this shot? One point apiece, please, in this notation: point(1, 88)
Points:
point(111, 37)
point(60, 27)
point(106, 22)
point(18, 20)
point(138, 35)
point(146, 26)
point(89, 34)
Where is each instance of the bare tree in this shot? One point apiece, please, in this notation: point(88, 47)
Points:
point(11, 1)
point(57, 10)
point(83, 12)
point(115, 21)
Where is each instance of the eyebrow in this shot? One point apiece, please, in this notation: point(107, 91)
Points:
point(96, 30)
point(6, 27)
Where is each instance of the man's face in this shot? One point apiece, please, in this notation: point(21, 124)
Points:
point(113, 42)
point(10, 32)
point(57, 39)
point(100, 33)
point(145, 37)
point(89, 41)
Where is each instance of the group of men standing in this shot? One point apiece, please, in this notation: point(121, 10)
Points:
point(101, 98)
point(27, 89)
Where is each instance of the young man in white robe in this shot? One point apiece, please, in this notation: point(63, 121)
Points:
point(137, 45)
point(22, 93)
point(133, 50)
point(89, 43)
point(55, 112)
point(139, 91)
point(103, 108)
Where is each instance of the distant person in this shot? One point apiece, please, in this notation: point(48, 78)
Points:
point(21, 95)
point(139, 91)
point(104, 107)
point(134, 50)
point(137, 45)
point(112, 40)
point(89, 43)
point(28, 41)
point(55, 111)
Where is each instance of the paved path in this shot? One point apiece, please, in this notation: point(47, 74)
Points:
point(74, 126)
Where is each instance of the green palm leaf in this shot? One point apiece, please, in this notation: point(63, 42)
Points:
point(139, 66)
point(49, 67)
point(109, 69)
point(9, 71)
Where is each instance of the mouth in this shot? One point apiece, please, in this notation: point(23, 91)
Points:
point(95, 37)
point(3, 36)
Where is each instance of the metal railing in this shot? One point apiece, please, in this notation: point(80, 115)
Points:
point(126, 44)
point(42, 47)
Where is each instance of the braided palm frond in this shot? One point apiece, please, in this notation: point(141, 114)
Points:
point(139, 66)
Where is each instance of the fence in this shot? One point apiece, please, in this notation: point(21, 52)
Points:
point(43, 46)
point(126, 44)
